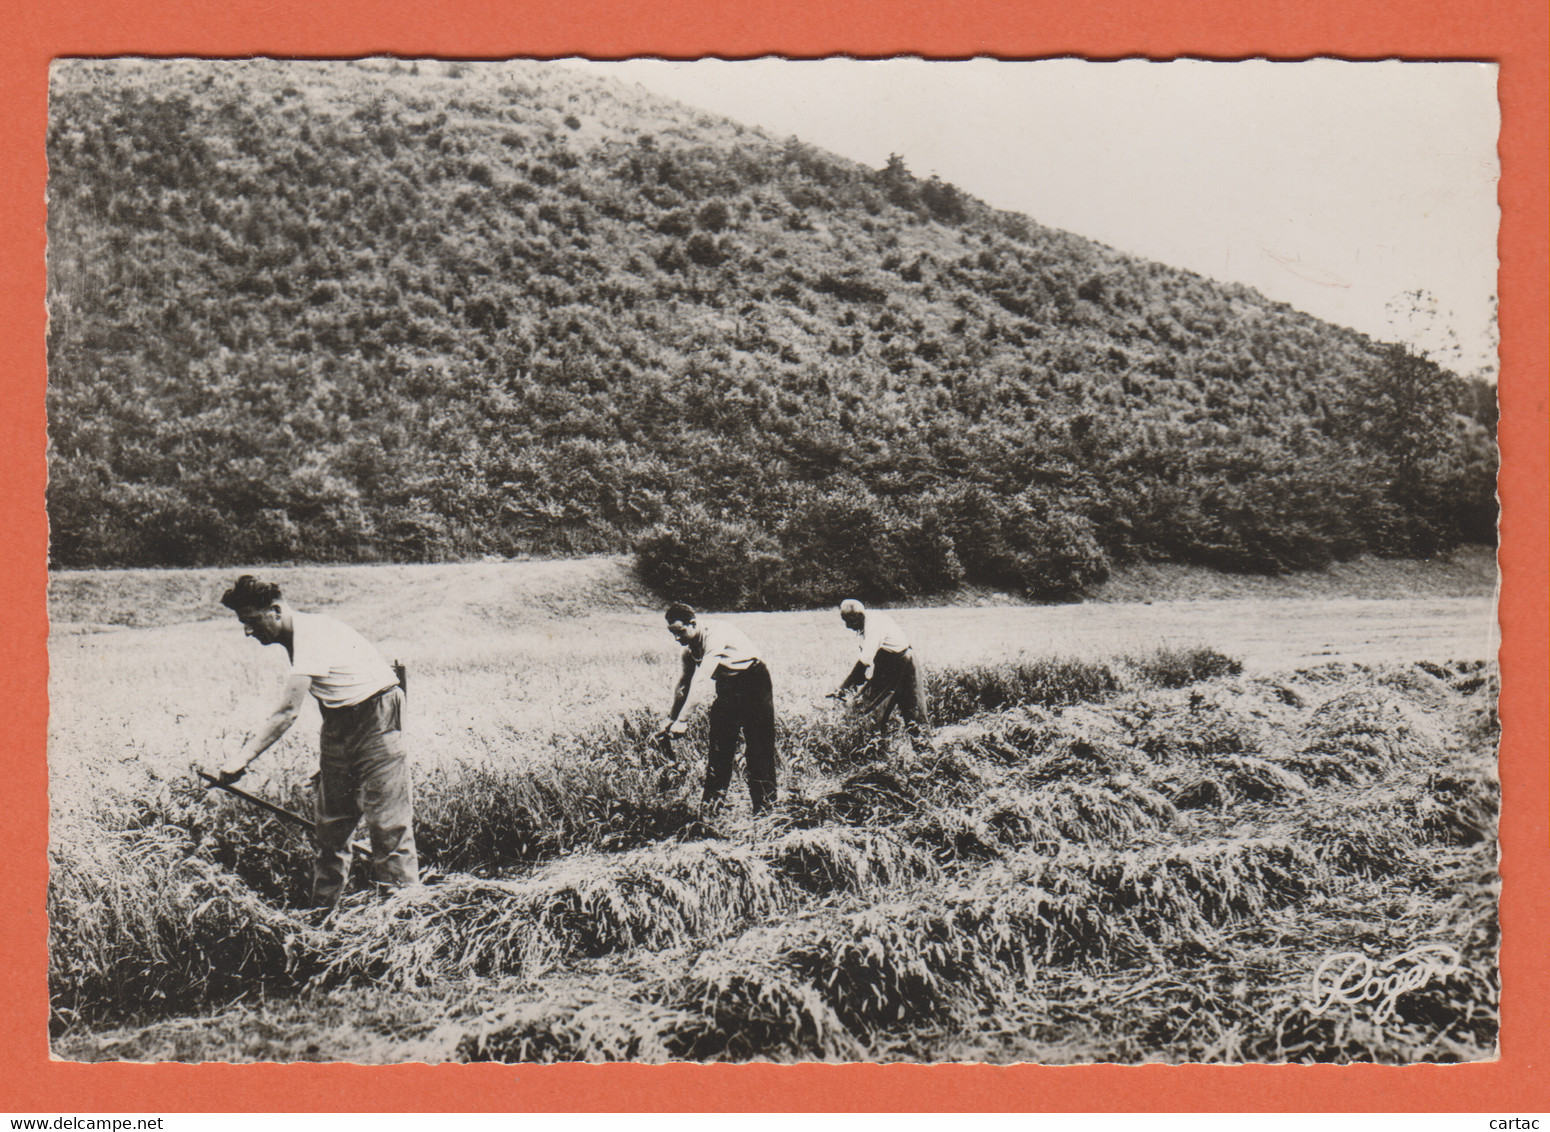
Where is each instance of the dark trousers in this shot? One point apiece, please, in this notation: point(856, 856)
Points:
point(364, 772)
point(744, 706)
point(896, 682)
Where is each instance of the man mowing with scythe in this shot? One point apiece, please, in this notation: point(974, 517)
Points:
point(362, 765)
point(719, 654)
point(887, 674)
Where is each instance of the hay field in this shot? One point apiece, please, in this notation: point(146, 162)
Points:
point(1173, 831)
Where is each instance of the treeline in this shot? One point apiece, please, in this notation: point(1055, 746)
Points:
point(334, 312)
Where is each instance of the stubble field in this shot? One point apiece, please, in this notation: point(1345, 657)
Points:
point(1244, 829)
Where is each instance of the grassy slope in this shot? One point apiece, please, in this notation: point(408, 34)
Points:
point(243, 368)
point(84, 599)
point(1468, 572)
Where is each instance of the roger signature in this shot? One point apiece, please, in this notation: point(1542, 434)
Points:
point(1351, 977)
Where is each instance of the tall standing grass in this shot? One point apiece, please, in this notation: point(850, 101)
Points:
point(140, 925)
point(963, 693)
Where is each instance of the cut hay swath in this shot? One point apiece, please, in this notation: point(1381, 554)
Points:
point(1117, 811)
point(1079, 743)
point(657, 898)
point(850, 860)
point(1362, 735)
point(1182, 893)
point(831, 981)
point(1459, 805)
point(815, 985)
point(653, 899)
point(577, 1024)
point(1219, 781)
point(1356, 848)
point(724, 1013)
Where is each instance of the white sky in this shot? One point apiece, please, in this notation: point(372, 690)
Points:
point(1335, 187)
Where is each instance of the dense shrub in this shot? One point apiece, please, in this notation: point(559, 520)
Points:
point(845, 542)
point(713, 216)
point(711, 563)
point(705, 251)
point(1024, 543)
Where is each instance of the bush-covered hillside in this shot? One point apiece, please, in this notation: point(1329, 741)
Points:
point(368, 311)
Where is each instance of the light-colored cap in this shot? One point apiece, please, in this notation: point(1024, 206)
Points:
point(851, 605)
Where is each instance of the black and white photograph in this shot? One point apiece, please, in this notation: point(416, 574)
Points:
point(888, 561)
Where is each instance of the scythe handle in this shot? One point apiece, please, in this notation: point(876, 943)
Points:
point(277, 811)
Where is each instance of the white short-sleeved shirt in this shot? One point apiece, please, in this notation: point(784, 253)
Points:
point(723, 648)
point(880, 632)
point(345, 667)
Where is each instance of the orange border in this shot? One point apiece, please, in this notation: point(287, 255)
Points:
point(1512, 32)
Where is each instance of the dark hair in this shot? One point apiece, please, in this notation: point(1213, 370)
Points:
point(679, 612)
point(249, 593)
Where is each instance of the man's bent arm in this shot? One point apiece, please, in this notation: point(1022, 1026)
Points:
point(681, 692)
point(292, 697)
point(856, 678)
point(697, 690)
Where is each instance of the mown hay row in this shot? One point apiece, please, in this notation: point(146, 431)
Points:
point(1226, 717)
point(1240, 1004)
point(813, 986)
point(986, 822)
point(1422, 688)
point(1349, 846)
point(889, 965)
point(757, 1010)
point(654, 899)
point(877, 795)
point(759, 1007)
point(1396, 828)
point(1221, 781)
point(1115, 812)
point(1079, 743)
point(850, 860)
point(998, 958)
point(1075, 815)
point(828, 983)
point(1454, 1020)
point(1362, 735)
point(665, 897)
point(1426, 991)
point(959, 841)
point(583, 1025)
point(1183, 893)
point(148, 922)
point(1460, 804)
